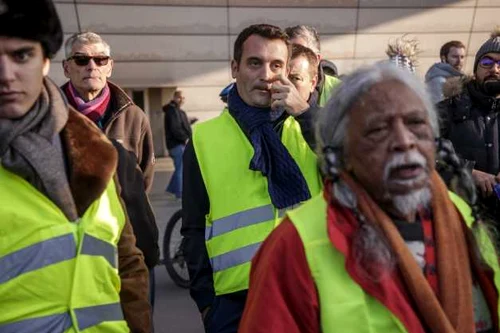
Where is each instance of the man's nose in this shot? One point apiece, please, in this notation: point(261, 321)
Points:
point(267, 73)
point(403, 138)
point(91, 64)
point(6, 70)
point(496, 67)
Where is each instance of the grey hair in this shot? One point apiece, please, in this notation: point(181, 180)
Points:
point(310, 35)
point(333, 119)
point(85, 38)
point(373, 256)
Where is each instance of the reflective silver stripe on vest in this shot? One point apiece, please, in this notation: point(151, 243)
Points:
point(57, 323)
point(234, 258)
point(94, 315)
point(36, 256)
point(239, 220)
point(95, 247)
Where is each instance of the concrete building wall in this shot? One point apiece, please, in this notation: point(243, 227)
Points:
point(188, 44)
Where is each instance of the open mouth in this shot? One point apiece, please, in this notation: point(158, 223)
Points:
point(407, 171)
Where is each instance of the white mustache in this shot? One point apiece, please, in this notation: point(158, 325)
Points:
point(404, 159)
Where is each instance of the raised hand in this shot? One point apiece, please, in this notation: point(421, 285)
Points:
point(284, 95)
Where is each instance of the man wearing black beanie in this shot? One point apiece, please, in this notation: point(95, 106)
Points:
point(469, 119)
point(68, 260)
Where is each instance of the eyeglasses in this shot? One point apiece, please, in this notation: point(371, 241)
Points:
point(487, 62)
point(83, 60)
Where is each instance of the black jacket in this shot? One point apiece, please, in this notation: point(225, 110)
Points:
point(177, 126)
point(469, 119)
point(137, 204)
point(326, 67)
point(196, 206)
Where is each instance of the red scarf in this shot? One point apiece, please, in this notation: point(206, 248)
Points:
point(406, 292)
point(93, 109)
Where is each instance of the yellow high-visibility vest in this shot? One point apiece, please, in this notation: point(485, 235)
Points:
point(344, 305)
point(326, 91)
point(57, 275)
point(241, 213)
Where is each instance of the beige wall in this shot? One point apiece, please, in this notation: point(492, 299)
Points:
point(188, 44)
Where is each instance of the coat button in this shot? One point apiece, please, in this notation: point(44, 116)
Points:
point(489, 145)
point(464, 117)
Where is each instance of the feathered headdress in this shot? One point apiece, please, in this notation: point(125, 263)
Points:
point(403, 52)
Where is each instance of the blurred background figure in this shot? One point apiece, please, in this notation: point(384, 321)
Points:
point(177, 134)
point(452, 56)
point(327, 71)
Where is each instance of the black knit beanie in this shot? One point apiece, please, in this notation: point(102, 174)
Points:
point(492, 45)
point(35, 20)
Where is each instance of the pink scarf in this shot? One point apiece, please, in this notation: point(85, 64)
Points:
point(93, 109)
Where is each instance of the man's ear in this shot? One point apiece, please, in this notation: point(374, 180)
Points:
point(65, 65)
point(234, 68)
point(111, 63)
point(46, 67)
point(314, 82)
point(443, 59)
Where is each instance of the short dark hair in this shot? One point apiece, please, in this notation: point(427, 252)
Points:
point(300, 50)
point(445, 49)
point(310, 34)
point(263, 30)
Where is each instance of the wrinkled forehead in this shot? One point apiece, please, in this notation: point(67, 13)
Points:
point(265, 49)
point(299, 64)
point(390, 98)
point(89, 48)
point(299, 40)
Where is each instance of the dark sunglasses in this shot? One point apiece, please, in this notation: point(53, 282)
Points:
point(487, 62)
point(83, 60)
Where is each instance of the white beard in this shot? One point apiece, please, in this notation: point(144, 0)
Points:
point(409, 203)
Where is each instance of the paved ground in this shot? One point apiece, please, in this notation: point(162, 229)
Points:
point(175, 312)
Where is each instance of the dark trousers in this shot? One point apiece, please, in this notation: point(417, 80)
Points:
point(152, 288)
point(225, 313)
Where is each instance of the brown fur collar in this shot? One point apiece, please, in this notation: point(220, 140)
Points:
point(455, 85)
point(92, 159)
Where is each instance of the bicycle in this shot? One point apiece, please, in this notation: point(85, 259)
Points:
point(173, 253)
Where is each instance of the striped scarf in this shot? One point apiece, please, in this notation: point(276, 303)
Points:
point(93, 109)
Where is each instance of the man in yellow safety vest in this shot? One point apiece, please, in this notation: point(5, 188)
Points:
point(242, 170)
point(68, 260)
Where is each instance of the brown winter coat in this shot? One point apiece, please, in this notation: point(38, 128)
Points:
point(129, 125)
point(92, 162)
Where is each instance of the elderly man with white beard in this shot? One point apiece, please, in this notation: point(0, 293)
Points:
point(386, 247)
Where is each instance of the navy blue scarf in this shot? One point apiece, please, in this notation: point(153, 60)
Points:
point(286, 184)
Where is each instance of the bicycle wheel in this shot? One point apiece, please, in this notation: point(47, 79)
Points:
point(173, 252)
